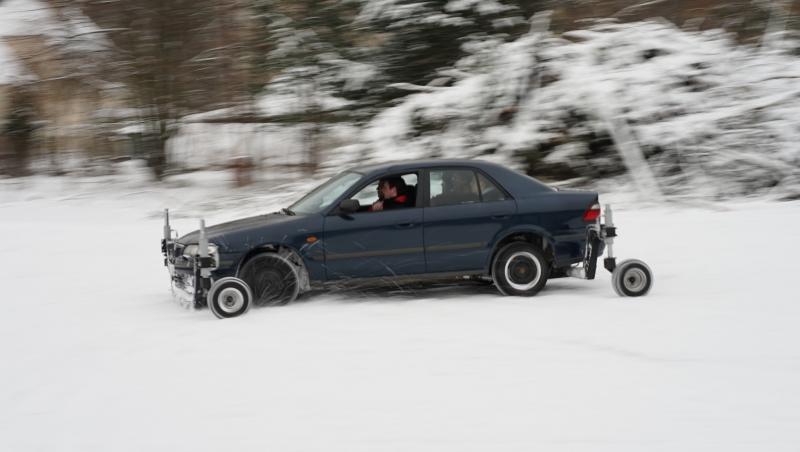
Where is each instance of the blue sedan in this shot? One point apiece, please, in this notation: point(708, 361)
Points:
point(400, 222)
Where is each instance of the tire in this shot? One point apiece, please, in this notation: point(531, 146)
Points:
point(272, 279)
point(229, 297)
point(520, 269)
point(632, 278)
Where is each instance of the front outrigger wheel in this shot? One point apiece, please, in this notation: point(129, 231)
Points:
point(632, 278)
point(520, 269)
point(229, 297)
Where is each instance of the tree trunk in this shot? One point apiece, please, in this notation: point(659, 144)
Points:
point(155, 145)
point(19, 130)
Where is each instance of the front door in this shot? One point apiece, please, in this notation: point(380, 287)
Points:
point(375, 244)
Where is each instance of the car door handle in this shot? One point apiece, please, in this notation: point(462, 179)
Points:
point(500, 217)
point(404, 225)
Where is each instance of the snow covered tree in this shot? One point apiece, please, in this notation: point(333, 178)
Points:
point(416, 39)
point(310, 63)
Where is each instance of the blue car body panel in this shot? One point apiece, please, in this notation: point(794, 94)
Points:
point(412, 241)
point(461, 237)
point(373, 244)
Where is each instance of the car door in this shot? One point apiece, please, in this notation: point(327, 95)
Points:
point(374, 244)
point(465, 211)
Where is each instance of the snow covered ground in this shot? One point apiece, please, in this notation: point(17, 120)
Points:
point(96, 356)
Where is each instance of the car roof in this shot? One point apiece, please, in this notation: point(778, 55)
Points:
point(407, 165)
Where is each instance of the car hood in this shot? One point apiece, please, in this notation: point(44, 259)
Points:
point(220, 232)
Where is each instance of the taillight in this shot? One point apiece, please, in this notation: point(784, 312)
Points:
point(592, 213)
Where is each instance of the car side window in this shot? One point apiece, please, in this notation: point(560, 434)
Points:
point(489, 191)
point(368, 194)
point(453, 186)
point(406, 192)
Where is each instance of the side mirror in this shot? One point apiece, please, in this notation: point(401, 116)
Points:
point(349, 206)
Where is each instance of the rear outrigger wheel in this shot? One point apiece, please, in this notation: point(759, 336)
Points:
point(229, 297)
point(520, 269)
point(272, 278)
point(632, 278)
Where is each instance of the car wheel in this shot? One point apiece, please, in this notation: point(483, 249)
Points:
point(632, 278)
point(272, 279)
point(229, 297)
point(520, 269)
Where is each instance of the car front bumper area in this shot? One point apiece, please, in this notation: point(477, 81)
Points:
point(189, 277)
point(189, 265)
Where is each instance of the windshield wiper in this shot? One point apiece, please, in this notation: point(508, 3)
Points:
point(286, 211)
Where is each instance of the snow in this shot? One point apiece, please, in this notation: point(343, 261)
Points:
point(72, 29)
point(17, 17)
point(203, 145)
point(399, 14)
point(97, 357)
point(273, 147)
point(10, 69)
point(24, 17)
point(483, 7)
point(294, 100)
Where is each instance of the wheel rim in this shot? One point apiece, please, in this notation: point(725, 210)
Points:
point(634, 280)
point(230, 300)
point(523, 271)
point(270, 285)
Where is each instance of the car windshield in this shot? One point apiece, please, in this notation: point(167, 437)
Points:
point(321, 197)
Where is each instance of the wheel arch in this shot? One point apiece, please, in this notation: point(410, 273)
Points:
point(285, 251)
point(529, 234)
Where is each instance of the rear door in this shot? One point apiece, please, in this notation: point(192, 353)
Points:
point(465, 210)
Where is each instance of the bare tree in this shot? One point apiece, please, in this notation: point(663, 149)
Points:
point(177, 57)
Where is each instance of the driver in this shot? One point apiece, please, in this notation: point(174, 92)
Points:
point(393, 193)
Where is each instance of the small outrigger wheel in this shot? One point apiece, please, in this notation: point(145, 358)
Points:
point(229, 297)
point(632, 278)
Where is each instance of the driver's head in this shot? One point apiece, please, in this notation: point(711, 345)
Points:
point(390, 187)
